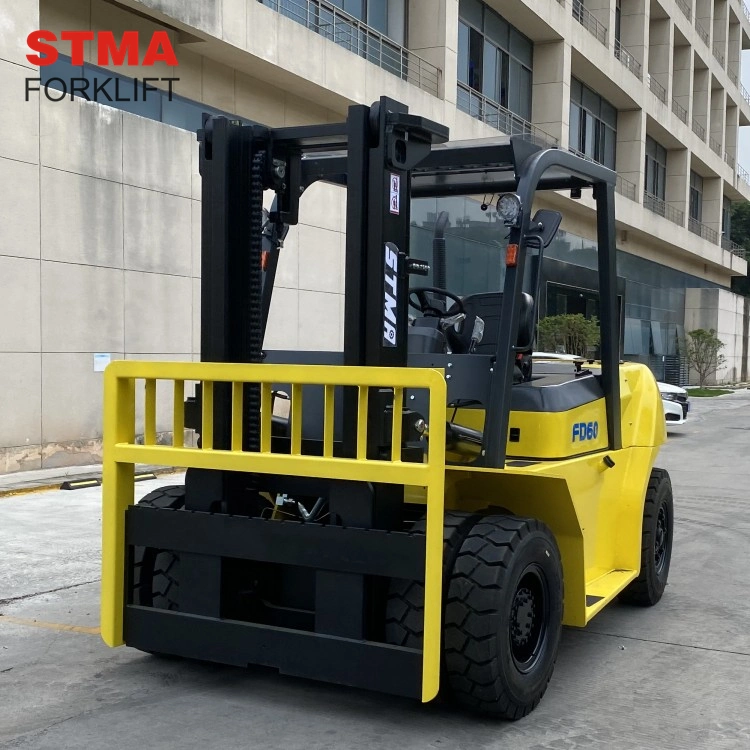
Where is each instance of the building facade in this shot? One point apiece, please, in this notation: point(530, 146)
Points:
point(100, 210)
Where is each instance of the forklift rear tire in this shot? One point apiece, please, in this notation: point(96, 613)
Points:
point(404, 614)
point(156, 571)
point(656, 543)
point(503, 616)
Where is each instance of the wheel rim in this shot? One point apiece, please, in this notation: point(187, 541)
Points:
point(529, 612)
point(661, 540)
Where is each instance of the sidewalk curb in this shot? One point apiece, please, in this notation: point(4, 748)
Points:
point(56, 485)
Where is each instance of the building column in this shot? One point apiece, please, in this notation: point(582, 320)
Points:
point(634, 29)
point(433, 35)
point(678, 180)
point(682, 76)
point(731, 128)
point(661, 32)
point(720, 28)
point(718, 112)
point(712, 203)
point(550, 96)
point(631, 148)
point(701, 78)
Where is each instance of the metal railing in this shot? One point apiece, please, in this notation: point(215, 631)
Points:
point(702, 33)
point(685, 8)
point(702, 230)
point(589, 21)
point(729, 159)
point(657, 89)
point(744, 93)
point(732, 76)
point(661, 207)
point(714, 145)
point(352, 34)
point(733, 247)
point(680, 111)
point(625, 187)
point(494, 114)
point(699, 130)
point(742, 174)
point(627, 59)
point(746, 11)
point(718, 53)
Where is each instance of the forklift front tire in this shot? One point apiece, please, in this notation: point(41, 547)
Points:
point(156, 571)
point(656, 543)
point(503, 616)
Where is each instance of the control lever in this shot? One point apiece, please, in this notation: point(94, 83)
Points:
point(476, 334)
point(452, 320)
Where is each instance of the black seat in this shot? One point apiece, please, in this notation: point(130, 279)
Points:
point(488, 306)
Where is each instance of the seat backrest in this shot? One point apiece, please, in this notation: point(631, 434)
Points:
point(488, 306)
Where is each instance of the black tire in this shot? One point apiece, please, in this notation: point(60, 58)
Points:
point(404, 615)
point(503, 616)
point(656, 543)
point(156, 571)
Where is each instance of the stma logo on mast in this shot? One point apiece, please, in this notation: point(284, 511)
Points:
point(94, 88)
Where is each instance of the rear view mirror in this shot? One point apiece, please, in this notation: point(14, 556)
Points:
point(544, 226)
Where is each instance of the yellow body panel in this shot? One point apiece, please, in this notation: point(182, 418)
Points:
point(594, 507)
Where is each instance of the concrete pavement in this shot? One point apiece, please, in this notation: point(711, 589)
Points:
point(673, 677)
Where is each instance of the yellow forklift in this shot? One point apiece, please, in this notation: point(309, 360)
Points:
point(422, 511)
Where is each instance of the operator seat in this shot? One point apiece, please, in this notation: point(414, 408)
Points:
point(488, 306)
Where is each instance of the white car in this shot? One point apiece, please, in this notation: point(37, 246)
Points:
point(673, 398)
point(675, 402)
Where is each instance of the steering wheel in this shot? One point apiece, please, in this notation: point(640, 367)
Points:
point(424, 305)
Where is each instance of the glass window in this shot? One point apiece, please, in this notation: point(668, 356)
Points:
point(656, 168)
point(726, 218)
point(696, 196)
point(463, 52)
point(471, 11)
point(489, 72)
point(494, 59)
point(593, 122)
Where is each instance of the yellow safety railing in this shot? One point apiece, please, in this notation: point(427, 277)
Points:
point(121, 453)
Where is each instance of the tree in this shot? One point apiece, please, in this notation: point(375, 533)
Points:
point(571, 334)
point(703, 352)
point(740, 233)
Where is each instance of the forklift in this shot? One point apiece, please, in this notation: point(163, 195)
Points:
point(420, 513)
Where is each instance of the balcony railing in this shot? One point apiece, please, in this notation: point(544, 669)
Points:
point(494, 114)
point(702, 33)
point(685, 8)
point(699, 130)
point(627, 59)
point(729, 159)
point(732, 76)
point(744, 93)
point(718, 53)
point(352, 34)
point(661, 207)
point(746, 11)
point(658, 90)
point(680, 111)
point(734, 248)
point(589, 21)
point(625, 187)
point(715, 145)
point(742, 174)
point(702, 230)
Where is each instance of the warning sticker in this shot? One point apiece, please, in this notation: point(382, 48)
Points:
point(395, 189)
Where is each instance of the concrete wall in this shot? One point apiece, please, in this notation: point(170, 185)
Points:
point(728, 314)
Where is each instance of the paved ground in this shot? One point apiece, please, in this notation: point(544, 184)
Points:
point(676, 676)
